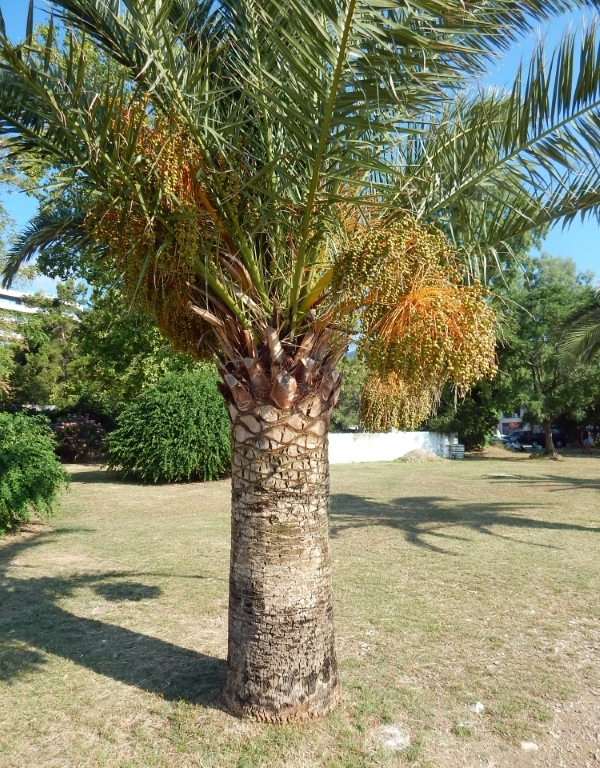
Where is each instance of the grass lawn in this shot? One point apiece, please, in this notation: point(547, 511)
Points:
point(452, 586)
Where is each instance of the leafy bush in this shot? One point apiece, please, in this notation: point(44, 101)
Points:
point(79, 437)
point(30, 473)
point(175, 430)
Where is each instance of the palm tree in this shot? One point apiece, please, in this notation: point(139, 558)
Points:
point(253, 175)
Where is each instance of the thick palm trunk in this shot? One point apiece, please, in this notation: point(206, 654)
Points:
point(281, 660)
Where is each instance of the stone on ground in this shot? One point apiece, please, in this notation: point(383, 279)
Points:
point(392, 737)
point(529, 746)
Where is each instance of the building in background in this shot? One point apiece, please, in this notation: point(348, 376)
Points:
point(510, 422)
point(16, 301)
point(12, 302)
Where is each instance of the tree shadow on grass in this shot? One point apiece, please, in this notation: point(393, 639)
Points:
point(92, 476)
point(114, 477)
point(588, 483)
point(424, 520)
point(33, 624)
point(99, 474)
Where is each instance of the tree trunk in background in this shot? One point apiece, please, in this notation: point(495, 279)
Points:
point(281, 662)
point(550, 449)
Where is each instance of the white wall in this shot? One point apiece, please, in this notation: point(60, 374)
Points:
point(347, 448)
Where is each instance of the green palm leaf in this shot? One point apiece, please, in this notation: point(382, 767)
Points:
point(60, 226)
point(493, 166)
point(582, 343)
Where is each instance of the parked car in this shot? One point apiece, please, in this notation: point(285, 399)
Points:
point(522, 439)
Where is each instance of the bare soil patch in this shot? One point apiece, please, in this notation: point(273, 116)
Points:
point(455, 582)
point(420, 456)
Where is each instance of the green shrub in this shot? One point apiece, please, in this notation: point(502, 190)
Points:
point(173, 431)
point(30, 473)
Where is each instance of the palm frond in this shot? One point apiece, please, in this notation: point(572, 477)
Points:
point(59, 226)
point(582, 343)
point(494, 166)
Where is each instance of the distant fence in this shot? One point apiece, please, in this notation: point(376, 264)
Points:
point(347, 448)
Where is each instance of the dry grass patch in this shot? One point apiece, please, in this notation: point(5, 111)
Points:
point(452, 586)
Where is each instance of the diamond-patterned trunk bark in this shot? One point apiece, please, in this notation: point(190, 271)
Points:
point(281, 660)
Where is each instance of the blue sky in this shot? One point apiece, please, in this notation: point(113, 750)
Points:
point(580, 240)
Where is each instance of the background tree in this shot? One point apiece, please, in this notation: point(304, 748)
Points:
point(346, 417)
point(45, 357)
point(83, 351)
point(544, 383)
point(475, 417)
point(121, 352)
point(7, 345)
point(248, 176)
